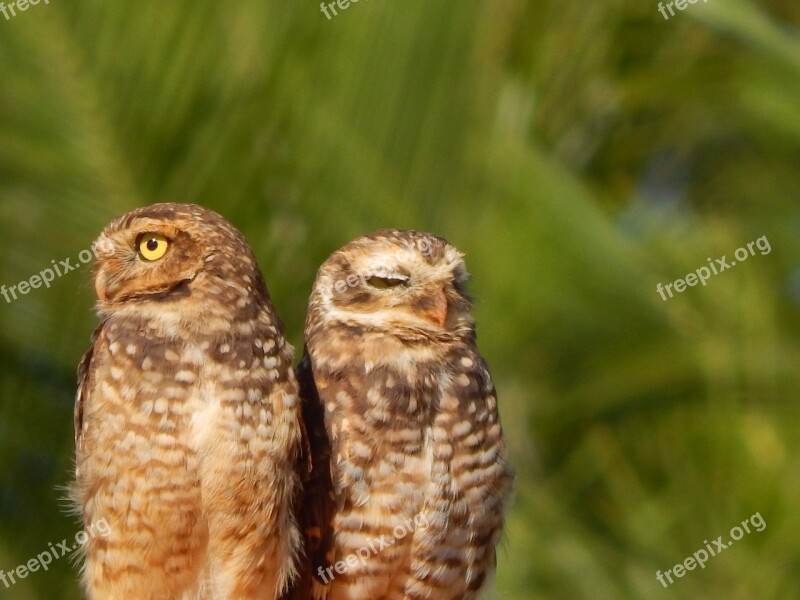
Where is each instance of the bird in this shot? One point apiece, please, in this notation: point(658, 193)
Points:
point(410, 474)
point(188, 426)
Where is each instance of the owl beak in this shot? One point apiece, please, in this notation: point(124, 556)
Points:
point(436, 312)
point(101, 287)
point(106, 286)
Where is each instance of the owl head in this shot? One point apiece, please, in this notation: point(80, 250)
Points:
point(390, 281)
point(176, 260)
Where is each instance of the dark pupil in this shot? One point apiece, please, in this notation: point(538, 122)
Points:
point(152, 244)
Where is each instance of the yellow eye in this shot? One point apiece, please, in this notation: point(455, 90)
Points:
point(152, 246)
point(385, 282)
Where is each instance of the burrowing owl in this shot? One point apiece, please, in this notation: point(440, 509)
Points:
point(187, 418)
point(411, 444)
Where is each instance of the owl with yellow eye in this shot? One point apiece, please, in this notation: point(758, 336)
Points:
point(188, 428)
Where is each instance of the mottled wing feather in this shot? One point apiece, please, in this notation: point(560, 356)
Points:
point(85, 384)
point(318, 504)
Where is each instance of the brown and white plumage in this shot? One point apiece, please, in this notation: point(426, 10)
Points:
point(412, 449)
point(187, 420)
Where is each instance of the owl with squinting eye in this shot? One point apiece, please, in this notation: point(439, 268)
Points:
point(411, 477)
point(188, 428)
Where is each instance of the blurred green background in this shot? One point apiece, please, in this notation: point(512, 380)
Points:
point(578, 152)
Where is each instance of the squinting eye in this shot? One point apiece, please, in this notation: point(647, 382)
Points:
point(152, 246)
point(384, 282)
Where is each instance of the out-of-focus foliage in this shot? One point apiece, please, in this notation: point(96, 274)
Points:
point(579, 152)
